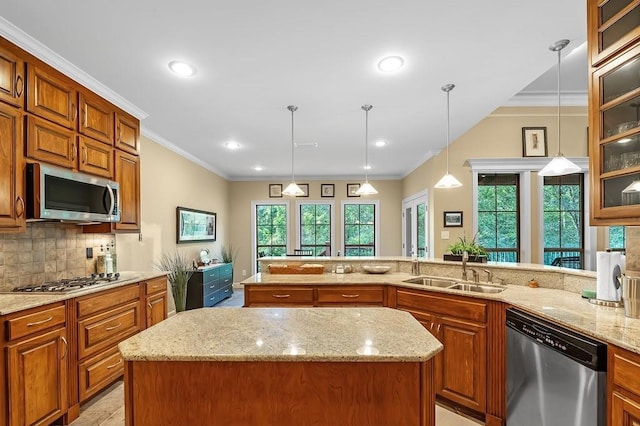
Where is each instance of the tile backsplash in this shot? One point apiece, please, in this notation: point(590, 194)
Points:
point(48, 251)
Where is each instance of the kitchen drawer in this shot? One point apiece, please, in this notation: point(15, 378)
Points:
point(106, 300)
point(474, 310)
point(625, 368)
point(210, 275)
point(217, 296)
point(211, 286)
point(226, 270)
point(97, 372)
point(156, 285)
point(103, 330)
point(281, 296)
point(35, 321)
point(351, 295)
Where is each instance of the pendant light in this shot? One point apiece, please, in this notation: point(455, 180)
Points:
point(292, 190)
point(559, 165)
point(366, 188)
point(448, 181)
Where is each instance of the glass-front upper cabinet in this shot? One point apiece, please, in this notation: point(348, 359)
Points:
point(613, 25)
point(614, 111)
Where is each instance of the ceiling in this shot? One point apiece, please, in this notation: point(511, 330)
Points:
point(254, 58)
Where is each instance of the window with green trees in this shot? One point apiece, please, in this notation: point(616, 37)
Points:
point(359, 229)
point(271, 230)
point(315, 228)
point(563, 200)
point(617, 239)
point(498, 216)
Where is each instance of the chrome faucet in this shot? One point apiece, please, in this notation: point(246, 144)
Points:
point(465, 257)
point(489, 275)
point(476, 276)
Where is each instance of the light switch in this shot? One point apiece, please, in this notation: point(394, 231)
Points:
point(444, 235)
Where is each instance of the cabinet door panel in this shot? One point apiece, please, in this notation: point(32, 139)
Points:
point(12, 208)
point(97, 372)
point(50, 143)
point(156, 308)
point(52, 96)
point(128, 176)
point(37, 372)
point(11, 77)
point(462, 369)
point(624, 411)
point(127, 133)
point(95, 157)
point(96, 118)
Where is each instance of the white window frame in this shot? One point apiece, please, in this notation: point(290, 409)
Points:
point(254, 225)
point(333, 220)
point(525, 167)
point(376, 203)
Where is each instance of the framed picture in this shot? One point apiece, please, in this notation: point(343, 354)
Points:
point(352, 188)
point(452, 219)
point(275, 190)
point(534, 141)
point(305, 189)
point(194, 225)
point(327, 190)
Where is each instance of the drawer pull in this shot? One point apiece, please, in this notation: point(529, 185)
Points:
point(84, 155)
point(19, 85)
point(226, 291)
point(20, 212)
point(109, 367)
point(280, 296)
point(431, 326)
point(74, 112)
point(212, 286)
point(66, 346)
point(350, 296)
point(149, 305)
point(31, 324)
point(438, 330)
point(113, 327)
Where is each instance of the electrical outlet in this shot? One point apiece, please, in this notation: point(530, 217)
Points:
point(89, 252)
point(444, 235)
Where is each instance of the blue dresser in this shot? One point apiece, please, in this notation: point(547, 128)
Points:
point(209, 286)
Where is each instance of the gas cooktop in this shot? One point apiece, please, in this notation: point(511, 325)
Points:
point(68, 284)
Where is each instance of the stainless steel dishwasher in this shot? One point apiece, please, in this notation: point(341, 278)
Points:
point(554, 376)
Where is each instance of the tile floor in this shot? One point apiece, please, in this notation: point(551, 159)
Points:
point(107, 408)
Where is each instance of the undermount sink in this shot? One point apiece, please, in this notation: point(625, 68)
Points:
point(478, 288)
point(431, 281)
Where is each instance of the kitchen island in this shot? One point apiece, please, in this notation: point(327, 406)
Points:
point(281, 366)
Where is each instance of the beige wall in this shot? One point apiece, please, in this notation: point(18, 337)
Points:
point(498, 135)
point(243, 193)
point(168, 180)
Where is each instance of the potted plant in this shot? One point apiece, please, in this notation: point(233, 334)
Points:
point(228, 253)
point(179, 270)
point(476, 252)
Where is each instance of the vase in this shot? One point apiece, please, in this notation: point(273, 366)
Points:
point(179, 290)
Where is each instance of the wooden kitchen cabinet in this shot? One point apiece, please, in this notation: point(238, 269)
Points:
point(460, 325)
point(155, 300)
point(51, 95)
point(12, 173)
point(314, 295)
point(351, 295)
point(95, 157)
point(12, 82)
point(614, 111)
point(623, 387)
point(51, 143)
point(37, 355)
point(127, 133)
point(274, 295)
point(96, 117)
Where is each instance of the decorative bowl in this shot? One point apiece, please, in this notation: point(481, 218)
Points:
point(376, 269)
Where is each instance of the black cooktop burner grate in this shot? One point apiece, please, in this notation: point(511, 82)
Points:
point(68, 284)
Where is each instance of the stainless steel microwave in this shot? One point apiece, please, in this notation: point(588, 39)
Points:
point(54, 193)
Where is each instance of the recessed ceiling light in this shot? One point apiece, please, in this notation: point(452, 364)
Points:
point(232, 145)
point(367, 167)
point(390, 64)
point(182, 68)
point(381, 143)
point(257, 168)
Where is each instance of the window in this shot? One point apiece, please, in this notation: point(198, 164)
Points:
point(360, 228)
point(563, 198)
point(271, 230)
point(498, 216)
point(617, 240)
point(315, 227)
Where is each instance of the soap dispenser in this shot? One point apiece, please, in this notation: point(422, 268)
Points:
point(108, 262)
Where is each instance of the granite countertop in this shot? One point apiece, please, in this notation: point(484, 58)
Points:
point(13, 302)
point(285, 334)
point(559, 306)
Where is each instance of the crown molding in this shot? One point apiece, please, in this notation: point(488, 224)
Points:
point(523, 99)
point(181, 152)
point(42, 52)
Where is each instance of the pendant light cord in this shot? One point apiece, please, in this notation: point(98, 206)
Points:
point(366, 145)
point(292, 108)
point(559, 149)
point(448, 124)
